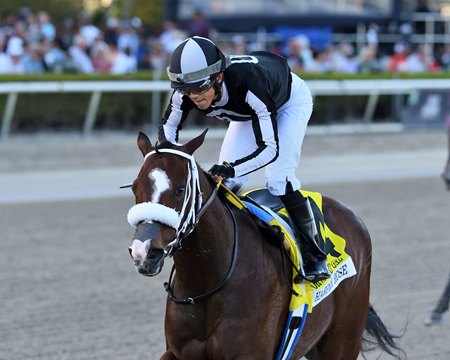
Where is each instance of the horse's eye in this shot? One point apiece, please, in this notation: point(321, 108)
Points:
point(179, 191)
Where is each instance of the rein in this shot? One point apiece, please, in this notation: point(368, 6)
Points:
point(194, 299)
point(197, 209)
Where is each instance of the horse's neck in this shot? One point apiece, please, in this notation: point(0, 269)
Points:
point(208, 249)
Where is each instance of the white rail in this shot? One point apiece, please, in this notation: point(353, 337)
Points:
point(371, 88)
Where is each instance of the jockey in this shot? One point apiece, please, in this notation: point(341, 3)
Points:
point(268, 108)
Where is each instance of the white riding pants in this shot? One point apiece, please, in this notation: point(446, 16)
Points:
point(292, 120)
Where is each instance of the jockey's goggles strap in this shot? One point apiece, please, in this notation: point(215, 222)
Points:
point(196, 75)
point(200, 74)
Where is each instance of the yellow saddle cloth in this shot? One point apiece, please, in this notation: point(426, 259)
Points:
point(339, 263)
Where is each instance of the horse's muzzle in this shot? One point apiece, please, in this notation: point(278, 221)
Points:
point(152, 265)
point(147, 260)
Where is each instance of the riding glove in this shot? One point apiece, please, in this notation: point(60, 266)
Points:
point(225, 170)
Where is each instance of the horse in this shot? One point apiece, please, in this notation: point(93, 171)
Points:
point(446, 173)
point(227, 295)
point(442, 305)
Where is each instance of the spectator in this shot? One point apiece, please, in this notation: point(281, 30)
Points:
point(171, 36)
point(444, 58)
point(369, 61)
point(21, 30)
point(89, 31)
point(14, 61)
point(101, 57)
point(4, 58)
point(372, 35)
point(323, 61)
point(198, 25)
point(7, 24)
point(61, 50)
point(128, 39)
point(418, 61)
point(78, 53)
point(239, 45)
point(55, 59)
point(112, 31)
point(33, 62)
point(33, 30)
point(157, 58)
point(343, 59)
point(299, 54)
point(397, 61)
point(122, 62)
point(67, 34)
point(47, 29)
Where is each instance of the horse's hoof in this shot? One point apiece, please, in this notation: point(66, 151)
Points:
point(446, 177)
point(433, 319)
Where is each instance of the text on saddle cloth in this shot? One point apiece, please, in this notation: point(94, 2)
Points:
point(269, 209)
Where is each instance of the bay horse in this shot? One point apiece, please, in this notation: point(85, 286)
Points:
point(227, 298)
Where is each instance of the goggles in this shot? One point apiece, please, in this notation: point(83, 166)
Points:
point(199, 88)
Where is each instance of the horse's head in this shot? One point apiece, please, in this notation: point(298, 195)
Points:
point(167, 192)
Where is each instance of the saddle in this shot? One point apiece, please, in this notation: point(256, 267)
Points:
point(269, 213)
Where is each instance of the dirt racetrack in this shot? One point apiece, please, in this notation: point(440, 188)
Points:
point(68, 289)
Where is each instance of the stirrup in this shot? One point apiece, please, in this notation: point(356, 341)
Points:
point(318, 271)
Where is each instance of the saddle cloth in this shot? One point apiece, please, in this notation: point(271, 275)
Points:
point(270, 210)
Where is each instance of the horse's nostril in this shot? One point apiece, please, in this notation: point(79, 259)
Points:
point(137, 262)
point(154, 254)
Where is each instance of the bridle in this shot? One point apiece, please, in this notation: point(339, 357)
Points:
point(194, 197)
point(191, 214)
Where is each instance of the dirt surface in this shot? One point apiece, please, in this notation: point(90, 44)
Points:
point(61, 151)
point(69, 289)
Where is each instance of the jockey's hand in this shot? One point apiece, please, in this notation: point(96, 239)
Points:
point(221, 172)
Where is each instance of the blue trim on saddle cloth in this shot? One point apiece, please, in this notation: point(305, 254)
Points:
point(293, 330)
point(294, 326)
point(267, 215)
point(258, 212)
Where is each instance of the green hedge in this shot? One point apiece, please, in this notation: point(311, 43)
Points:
point(132, 111)
point(148, 75)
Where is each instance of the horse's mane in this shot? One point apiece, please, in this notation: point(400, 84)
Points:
point(165, 144)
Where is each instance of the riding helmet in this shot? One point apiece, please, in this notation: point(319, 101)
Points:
point(194, 61)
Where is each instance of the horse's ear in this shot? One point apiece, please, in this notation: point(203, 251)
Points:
point(195, 143)
point(144, 144)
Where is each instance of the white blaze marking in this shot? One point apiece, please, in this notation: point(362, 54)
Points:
point(161, 183)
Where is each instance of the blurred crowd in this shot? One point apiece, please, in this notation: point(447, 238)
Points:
point(31, 42)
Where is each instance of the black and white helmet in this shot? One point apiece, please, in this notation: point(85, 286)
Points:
point(195, 61)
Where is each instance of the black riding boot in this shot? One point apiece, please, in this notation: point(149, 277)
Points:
point(302, 218)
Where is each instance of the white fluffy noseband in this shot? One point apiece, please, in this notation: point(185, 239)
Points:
point(149, 211)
